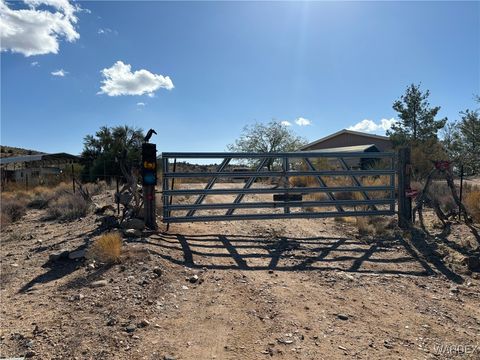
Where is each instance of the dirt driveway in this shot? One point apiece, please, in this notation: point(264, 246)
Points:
point(296, 289)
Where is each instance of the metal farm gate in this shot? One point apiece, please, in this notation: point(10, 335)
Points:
point(255, 186)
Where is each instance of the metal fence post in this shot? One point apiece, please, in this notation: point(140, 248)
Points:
point(117, 198)
point(461, 192)
point(165, 198)
point(286, 184)
point(404, 202)
point(73, 179)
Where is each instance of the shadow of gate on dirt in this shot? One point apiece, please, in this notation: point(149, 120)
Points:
point(243, 252)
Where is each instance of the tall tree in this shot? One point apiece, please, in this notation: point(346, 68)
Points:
point(462, 141)
point(267, 138)
point(103, 151)
point(417, 121)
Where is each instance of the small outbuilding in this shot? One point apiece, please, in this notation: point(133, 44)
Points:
point(35, 169)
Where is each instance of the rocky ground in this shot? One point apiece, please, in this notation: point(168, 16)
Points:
point(296, 289)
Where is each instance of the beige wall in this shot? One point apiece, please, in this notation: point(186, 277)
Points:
point(352, 140)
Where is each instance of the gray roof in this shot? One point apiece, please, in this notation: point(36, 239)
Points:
point(39, 157)
point(356, 148)
point(345, 131)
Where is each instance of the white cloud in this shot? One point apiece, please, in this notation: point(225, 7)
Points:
point(106, 31)
point(34, 63)
point(371, 126)
point(120, 80)
point(59, 72)
point(141, 104)
point(35, 30)
point(286, 123)
point(300, 121)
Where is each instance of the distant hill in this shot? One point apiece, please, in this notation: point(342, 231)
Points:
point(9, 151)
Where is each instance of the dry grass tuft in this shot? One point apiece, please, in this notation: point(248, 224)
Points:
point(106, 249)
point(345, 219)
point(472, 203)
point(364, 226)
point(440, 192)
point(95, 188)
point(59, 201)
point(345, 181)
point(41, 196)
point(68, 207)
point(13, 207)
point(373, 225)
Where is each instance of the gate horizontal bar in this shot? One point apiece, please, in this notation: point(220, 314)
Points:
point(303, 190)
point(296, 215)
point(277, 173)
point(292, 155)
point(279, 204)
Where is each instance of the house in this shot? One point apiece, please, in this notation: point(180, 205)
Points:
point(347, 138)
point(348, 141)
point(352, 162)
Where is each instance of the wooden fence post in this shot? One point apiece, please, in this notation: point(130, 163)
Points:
point(404, 202)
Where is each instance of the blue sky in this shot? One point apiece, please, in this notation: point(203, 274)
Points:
point(207, 69)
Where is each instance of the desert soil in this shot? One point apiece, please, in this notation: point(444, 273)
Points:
point(296, 289)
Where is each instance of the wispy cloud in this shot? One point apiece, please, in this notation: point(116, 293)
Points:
point(34, 63)
point(120, 80)
point(31, 31)
point(300, 121)
point(106, 31)
point(370, 126)
point(59, 72)
point(286, 123)
point(141, 104)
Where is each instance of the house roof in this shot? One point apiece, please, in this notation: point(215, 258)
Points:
point(345, 131)
point(39, 157)
point(347, 149)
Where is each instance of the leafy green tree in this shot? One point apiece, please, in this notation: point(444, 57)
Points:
point(417, 121)
point(462, 141)
point(267, 138)
point(103, 151)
